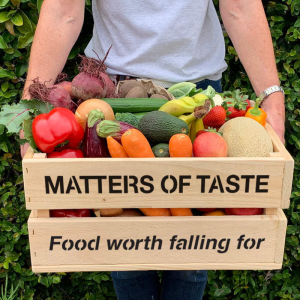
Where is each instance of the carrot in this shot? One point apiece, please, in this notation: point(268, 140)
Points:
point(135, 144)
point(85, 107)
point(181, 212)
point(180, 145)
point(154, 212)
point(115, 149)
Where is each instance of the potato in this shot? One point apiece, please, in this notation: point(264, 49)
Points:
point(158, 96)
point(131, 213)
point(137, 92)
point(127, 86)
point(110, 212)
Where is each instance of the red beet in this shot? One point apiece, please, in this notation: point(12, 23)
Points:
point(93, 82)
point(55, 95)
point(67, 85)
point(85, 87)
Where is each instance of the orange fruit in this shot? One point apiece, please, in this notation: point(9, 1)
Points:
point(215, 213)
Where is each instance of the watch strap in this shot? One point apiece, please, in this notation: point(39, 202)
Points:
point(273, 89)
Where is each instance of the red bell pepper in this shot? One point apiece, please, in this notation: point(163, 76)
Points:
point(68, 153)
point(57, 128)
point(70, 213)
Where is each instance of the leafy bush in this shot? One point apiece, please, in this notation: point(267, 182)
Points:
point(18, 19)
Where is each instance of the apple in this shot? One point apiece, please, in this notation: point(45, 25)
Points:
point(210, 144)
point(244, 211)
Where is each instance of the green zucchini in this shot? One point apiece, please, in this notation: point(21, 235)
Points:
point(135, 105)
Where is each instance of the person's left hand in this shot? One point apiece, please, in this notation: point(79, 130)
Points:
point(274, 107)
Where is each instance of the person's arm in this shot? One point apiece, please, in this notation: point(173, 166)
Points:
point(247, 27)
point(58, 28)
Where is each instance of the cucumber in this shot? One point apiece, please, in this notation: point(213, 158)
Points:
point(135, 105)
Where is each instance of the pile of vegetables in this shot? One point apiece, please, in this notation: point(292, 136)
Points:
point(195, 124)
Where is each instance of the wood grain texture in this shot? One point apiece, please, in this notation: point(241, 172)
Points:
point(164, 228)
point(36, 170)
point(146, 267)
point(281, 236)
point(288, 167)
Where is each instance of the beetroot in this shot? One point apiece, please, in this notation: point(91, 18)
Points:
point(67, 85)
point(55, 95)
point(93, 82)
point(85, 87)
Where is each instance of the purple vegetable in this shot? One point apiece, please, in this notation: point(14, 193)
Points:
point(93, 145)
point(113, 128)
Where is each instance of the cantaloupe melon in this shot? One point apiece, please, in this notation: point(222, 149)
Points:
point(246, 138)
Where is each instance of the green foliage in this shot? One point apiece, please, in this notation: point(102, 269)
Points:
point(18, 19)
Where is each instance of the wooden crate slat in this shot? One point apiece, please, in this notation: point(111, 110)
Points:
point(256, 227)
point(146, 267)
point(191, 196)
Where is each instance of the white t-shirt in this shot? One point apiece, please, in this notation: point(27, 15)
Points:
point(167, 40)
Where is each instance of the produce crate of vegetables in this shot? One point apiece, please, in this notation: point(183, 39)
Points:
point(134, 177)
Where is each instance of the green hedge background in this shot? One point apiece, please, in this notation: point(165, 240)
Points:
point(18, 19)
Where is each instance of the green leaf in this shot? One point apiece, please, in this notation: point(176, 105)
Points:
point(4, 86)
point(25, 40)
point(55, 279)
point(3, 2)
point(97, 278)
point(17, 19)
point(5, 73)
point(5, 196)
point(27, 127)
point(21, 69)
point(9, 50)
point(15, 2)
point(2, 127)
point(4, 16)
point(39, 4)
point(13, 116)
point(27, 24)
point(74, 52)
point(297, 64)
point(19, 180)
point(181, 89)
point(3, 45)
point(297, 24)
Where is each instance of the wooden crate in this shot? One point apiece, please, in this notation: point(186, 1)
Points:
point(159, 182)
point(253, 242)
point(263, 235)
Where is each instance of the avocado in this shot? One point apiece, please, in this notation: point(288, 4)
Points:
point(159, 126)
point(161, 150)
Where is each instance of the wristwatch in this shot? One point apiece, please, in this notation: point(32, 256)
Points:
point(266, 93)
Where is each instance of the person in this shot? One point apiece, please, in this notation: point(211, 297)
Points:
point(167, 42)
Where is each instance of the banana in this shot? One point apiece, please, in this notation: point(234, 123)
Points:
point(177, 108)
point(199, 125)
point(193, 131)
point(188, 101)
point(188, 119)
point(200, 99)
